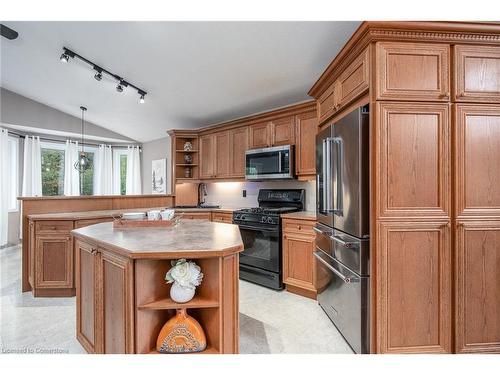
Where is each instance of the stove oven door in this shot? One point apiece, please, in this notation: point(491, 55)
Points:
point(261, 247)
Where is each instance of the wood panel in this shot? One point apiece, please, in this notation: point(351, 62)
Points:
point(413, 156)
point(413, 287)
point(238, 142)
point(260, 135)
point(222, 154)
point(306, 125)
point(477, 73)
point(478, 287)
point(413, 71)
point(477, 160)
point(328, 103)
point(354, 80)
point(86, 298)
point(54, 261)
point(186, 194)
point(207, 156)
point(283, 131)
point(230, 300)
point(298, 262)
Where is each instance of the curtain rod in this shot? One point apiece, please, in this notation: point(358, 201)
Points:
point(117, 145)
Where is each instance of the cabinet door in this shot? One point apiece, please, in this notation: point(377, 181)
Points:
point(478, 287)
point(306, 125)
point(222, 154)
point(86, 295)
point(283, 131)
point(298, 262)
point(238, 146)
point(115, 307)
point(413, 156)
point(207, 156)
point(328, 103)
point(413, 71)
point(54, 261)
point(477, 74)
point(353, 81)
point(413, 288)
point(477, 160)
point(31, 254)
point(260, 135)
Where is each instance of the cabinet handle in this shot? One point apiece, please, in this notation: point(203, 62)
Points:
point(300, 228)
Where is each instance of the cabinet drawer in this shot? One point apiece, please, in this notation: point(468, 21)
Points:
point(298, 226)
point(87, 222)
point(196, 215)
point(55, 225)
point(413, 71)
point(222, 217)
point(477, 72)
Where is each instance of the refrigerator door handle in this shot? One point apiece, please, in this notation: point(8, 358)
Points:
point(339, 162)
point(327, 175)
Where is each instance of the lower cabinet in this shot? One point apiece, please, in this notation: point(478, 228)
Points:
point(222, 217)
point(477, 287)
point(413, 306)
point(299, 267)
point(53, 261)
point(104, 289)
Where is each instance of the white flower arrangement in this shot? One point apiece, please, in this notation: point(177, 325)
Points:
point(186, 274)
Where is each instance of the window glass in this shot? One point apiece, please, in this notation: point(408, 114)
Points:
point(87, 179)
point(123, 174)
point(52, 171)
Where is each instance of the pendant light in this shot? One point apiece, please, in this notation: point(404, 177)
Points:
point(83, 162)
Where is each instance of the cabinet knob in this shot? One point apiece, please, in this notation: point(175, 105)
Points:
point(300, 228)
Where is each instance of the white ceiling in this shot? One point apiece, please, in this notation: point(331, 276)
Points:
point(196, 73)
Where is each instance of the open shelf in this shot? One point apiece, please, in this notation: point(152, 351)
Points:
point(198, 302)
point(187, 165)
point(186, 151)
point(208, 350)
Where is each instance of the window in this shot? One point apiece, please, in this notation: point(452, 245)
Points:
point(14, 173)
point(52, 169)
point(120, 171)
point(87, 179)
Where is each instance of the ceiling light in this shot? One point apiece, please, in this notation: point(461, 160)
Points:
point(141, 100)
point(119, 88)
point(98, 76)
point(64, 57)
point(83, 162)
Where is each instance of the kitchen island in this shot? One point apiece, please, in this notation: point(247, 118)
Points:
point(123, 300)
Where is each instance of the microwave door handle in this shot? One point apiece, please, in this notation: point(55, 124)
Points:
point(339, 162)
point(280, 155)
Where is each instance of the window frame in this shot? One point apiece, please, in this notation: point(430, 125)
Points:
point(14, 171)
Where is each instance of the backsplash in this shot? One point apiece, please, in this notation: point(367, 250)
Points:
point(229, 194)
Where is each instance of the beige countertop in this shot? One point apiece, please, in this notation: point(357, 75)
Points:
point(301, 215)
point(189, 239)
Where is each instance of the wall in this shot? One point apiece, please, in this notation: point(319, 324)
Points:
point(229, 194)
point(158, 149)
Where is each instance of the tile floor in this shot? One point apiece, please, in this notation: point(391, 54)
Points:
point(270, 322)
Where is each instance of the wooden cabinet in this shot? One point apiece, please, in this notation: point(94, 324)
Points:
point(413, 158)
point(306, 128)
point(196, 215)
point(350, 85)
point(105, 315)
point(477, 160)
point(260, 135)
point(413, 306)
point(476, 74)
point(283, 131)
point(222, 154)
point(299, 267)
point(222, 217)
point(207, 156)
point(477, 287)
point(413, 71)
point(238, 145)
point(54, 261)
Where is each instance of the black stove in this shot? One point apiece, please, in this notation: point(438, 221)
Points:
point(260, 228)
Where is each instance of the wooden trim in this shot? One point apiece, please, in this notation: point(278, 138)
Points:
point(92, 197)
point(304, 292)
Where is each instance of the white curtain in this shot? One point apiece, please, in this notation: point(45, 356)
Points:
point(71, 175)
point(133, 185)
point(32, 167)
point(103, 171)
point(4, 185)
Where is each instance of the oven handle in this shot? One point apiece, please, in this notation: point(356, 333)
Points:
point(258, 228)
point(345, 279)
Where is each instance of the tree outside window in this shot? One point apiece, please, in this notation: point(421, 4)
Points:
point(52, 172)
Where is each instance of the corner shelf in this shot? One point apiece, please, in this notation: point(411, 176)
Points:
point(168, 304)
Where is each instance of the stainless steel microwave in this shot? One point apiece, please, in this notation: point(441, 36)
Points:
point(270, 163)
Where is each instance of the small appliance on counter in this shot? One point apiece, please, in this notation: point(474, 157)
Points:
point(260, 228)
point(271, 163)
point(342, 240)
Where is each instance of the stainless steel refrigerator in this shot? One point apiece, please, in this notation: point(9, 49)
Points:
point(342, 241)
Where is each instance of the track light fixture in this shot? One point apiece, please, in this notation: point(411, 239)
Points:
point(67, 54)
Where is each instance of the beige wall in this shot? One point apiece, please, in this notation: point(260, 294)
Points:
point(158, 149)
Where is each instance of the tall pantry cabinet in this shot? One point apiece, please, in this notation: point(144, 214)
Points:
point(434, 94)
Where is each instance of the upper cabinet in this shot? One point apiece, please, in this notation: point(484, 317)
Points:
point(350, 84)
point(413, 71)
point(207, 156)
point(477, 73)
point(238, 142)
point(306, 128)
point(273, 133)
point(260, 135)
point(222, 154)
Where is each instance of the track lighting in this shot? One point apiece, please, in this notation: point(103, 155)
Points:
point(99, 72)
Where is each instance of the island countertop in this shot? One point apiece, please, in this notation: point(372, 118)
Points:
point(189, 239)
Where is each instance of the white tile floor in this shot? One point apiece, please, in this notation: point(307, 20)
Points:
point(270, 322)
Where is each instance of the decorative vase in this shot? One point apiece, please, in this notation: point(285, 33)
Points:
point(181, 334)
point(188, 146)
point(187, 172)
point(188, 159)
point(181, 294)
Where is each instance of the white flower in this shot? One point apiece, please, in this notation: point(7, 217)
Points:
point(186, 274)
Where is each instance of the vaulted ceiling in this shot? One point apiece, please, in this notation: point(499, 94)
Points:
point(196, 73)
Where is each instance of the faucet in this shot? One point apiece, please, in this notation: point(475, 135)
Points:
point(202, 193)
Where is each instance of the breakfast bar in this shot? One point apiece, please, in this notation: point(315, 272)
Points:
point(123, 299)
